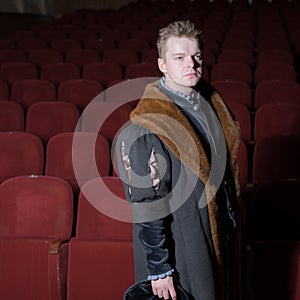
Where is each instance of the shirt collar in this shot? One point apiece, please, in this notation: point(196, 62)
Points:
point(188, 98)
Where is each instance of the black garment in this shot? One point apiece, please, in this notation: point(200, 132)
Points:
point(143, 291)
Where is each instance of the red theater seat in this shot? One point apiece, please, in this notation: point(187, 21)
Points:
point(12, 72)
point(82, 57)
point(65, 45)
point(12, 55)
point(59, 72)
point(123, 57)
point(11, 116)
point(106, 118)
point(102, 245)
point(142, 70)
point(232, 70)
point(36, 215)
point(29, 91)
point(4, 90)
point(235, 91)
point(30, 45)
point(46, 119)
point(275, 91)
point(79, 92)
point(103, 72)
point(92, 265)
point(88, 153)
point(21, 153)
point(277, 118)
point(41, 57)
point(242, 115)
point(276, 157)
point(274, 71)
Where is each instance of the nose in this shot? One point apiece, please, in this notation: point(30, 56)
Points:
point(190, 61)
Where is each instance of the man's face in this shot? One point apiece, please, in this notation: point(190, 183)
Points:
point(182, 64)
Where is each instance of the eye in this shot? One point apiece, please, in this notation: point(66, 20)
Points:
point(198, 57)
point(178, 58)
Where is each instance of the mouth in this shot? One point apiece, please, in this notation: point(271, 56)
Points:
point(190, 75)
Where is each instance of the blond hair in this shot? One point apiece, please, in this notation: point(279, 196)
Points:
point(177, 29)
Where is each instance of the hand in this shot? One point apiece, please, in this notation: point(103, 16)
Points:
point(164, 288)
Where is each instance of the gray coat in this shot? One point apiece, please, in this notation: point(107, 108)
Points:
point(172, 230)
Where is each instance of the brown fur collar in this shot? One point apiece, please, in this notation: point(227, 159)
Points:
point(152, 112)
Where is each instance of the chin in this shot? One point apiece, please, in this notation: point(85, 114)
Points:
point(194, 82)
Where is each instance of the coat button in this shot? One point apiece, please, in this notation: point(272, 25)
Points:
point(196, 107)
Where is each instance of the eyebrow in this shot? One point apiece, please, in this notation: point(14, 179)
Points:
point(182, 53)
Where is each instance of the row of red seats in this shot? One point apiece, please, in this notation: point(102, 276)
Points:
point(39, 257)
point(81, 91)
point(78, 157)
point(47, 118)
point(81, 57)
point(73, 96)
point(62, 266)
point(103, 72)
point(106, 72)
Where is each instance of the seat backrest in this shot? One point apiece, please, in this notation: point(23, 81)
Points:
point(233, 90)
point(243, 56)
point(275, 55)
point(123, 57)
point(36, 207)
point(103, 72)
point(41, 57)
point(82, 57)
point(59, 72)
point(82, 35)
point(276, 157)
point(114, 34)
point(273, 43)
point(65, 45)
point(142, 70)
point(107, 118)
point(77, 157)
point(91, 221)
point(12, 55)
point(52, 34)
point(21, 153)
point(4, 90)
point(11, 116)
point(277, 118)
point(276, 91)
point(29, 91)
point(79, 92)
point(242, 115)
point(12, 72)
point(149, 56)
point(100, 45)
point(46, 119)
point(20, 34)
point(274, 71)
point(30, 45)
point(6, 43)
point(137, 45)
point(243, 162)
point(232, 70)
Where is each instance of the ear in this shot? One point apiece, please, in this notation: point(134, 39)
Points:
point(161, 65)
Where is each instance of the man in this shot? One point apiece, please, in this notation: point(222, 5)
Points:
point(177, 159)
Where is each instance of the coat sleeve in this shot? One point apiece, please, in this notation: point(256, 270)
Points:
point(145, 162)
